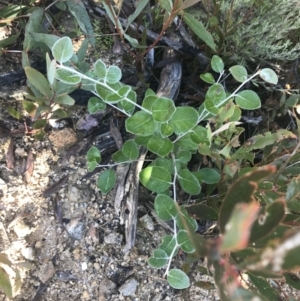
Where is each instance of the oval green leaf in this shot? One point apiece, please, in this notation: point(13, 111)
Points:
point(178, 279)
point(158, 259)
point(162, 109)
point(208, 78)
point(100, 69)
point(95, 104)
point(62, 49)
point(184, 119)
point(247, 100)
point(165, 207)
point(184, 241)
point(141, 123)
point(106, 181)
point(239, 73)
point(189, 182)
point(207, 175)
point(269, 76)
point(155, 178)
point(67, 76)
point(161, 147)
point(217, 64)
point(113, 74)
point(130, 150)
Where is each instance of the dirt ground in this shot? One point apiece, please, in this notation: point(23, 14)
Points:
point(69, 246)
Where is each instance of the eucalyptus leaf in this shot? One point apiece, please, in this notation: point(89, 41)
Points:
point(38, 80)
point(198, 28)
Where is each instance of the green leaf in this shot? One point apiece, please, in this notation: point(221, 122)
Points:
point(199, 135)
point(184, 241)
point(158, 259)
point(123, 92)
point(155, 178)
point(38, 80)
point(40, 124)
point(165, 207)
point(264, 288)
point(148, 102)
point(5, 283)
point(47, 39)
point(216, 94)
point(244, 186)
point(130, 150)
point(77, 9)
point(92, 165)
point(184, 221)
point(168, 244)
point(247, 100)
point(100, 69)
point(292, 280)
point(141, 123)
point(166, 163)
point(65, 100)
point(293, 190)
point(184, 119)
point(268, 219)
point(166, 130)
point(8, 41)
point(239, 73)
point(29, 107)
point(189, 182)
point(119, 157)
point(162, 109)
point(67, 77)
point(106, 181)
point(238, 228)
point(207, 175)
point(62, 49)
point(269, 76)
point(178, 279)
point(183, 156)
point(160, 146)
point(198, 28)
point(51, 71)
point(14, 113)
point(139, 8)
point(208, 78)
point(93, 154)
point(113, 74)
point(217, 64)
point(202, 212)
point(95, 104)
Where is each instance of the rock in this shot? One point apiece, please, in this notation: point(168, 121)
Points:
point(28, 253)
point(3, 189)
point(76, 227)
point(113, 239)
point(46, 271)
point(129, 287)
